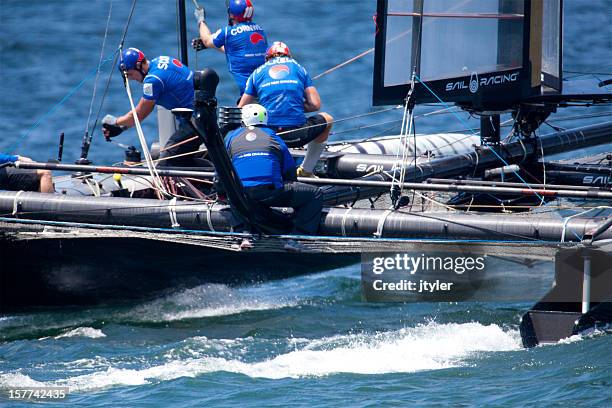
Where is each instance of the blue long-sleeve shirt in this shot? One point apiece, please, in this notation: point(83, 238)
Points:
point(8, 158)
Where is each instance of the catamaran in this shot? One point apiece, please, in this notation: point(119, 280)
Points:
point(475, 192)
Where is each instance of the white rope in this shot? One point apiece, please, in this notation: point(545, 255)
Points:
point(156, 180)
point(93, 186)
point(343, 228)
point(16, 203)
point(543, 169)
point(424, 197)
point(567, 219)
point(402, 146)
point(208, 217)
point(381, 223)
point(406, 130)
point(172, 211)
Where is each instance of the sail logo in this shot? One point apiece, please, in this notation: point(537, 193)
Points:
point(369, 168)
point(603, 180)
point(279, 71)
point(475, 83)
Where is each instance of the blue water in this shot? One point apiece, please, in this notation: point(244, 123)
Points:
point(305, 341)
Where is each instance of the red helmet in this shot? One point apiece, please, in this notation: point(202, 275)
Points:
point(278, 48)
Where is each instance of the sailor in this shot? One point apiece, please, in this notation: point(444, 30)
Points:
point(23, 179)
point(243, 42)
point(267, 170)
point(285, 89)
point(167, 82)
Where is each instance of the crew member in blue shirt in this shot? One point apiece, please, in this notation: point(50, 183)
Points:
point(243, 42)
point(285, 89)
point(167, 82)
point(267, 170)
point(23, 179)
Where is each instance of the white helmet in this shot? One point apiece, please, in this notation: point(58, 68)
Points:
point(254, 114)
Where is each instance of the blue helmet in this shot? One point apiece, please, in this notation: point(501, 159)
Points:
point(242, 10)
point(131, 58)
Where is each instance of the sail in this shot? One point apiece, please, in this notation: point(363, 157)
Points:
point(483, 54)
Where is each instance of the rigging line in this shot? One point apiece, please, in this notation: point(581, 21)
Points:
point(55, 107)
point(343, 64)
point(369, 51)
point(586, 73)
point(472, 130)
point(543, 167)
point(560, 119)
point(93, 97)
point(432, 200)
point(143, 142)
point(115, 57)
point(127, 24)
point(397, 121)
point(478, 228)
point(361, 115)
point(436, 112)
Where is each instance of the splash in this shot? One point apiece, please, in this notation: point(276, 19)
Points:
point(82, 332)
point(426, 347)
point(207, 301)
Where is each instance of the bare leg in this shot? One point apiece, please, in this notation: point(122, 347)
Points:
point(46, 181)
point(322, 138)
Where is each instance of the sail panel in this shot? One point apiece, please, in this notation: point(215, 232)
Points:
point(551, 44)
point(483, 54)
point(448, 49)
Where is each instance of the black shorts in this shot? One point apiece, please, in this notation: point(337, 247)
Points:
point(19, 179)
point(300, 136)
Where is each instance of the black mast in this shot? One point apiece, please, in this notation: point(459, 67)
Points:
point(182, 31)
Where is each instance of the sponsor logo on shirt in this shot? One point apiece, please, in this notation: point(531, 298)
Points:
point(256, 38)
point(147, 89)
point(245, 28)
point(279, 71)
point(177, 63)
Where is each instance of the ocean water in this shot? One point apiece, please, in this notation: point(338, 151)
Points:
point(303, 341)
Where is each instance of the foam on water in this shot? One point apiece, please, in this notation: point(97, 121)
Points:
point(426, 347)
point(82, 332)
point(13, 380)
point(207, 301)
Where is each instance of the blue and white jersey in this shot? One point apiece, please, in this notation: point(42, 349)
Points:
point(260, 157)
point(169, 83)
point(245, 49)
point(279, 84)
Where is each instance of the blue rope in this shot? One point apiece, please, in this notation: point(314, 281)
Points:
point(57, 106)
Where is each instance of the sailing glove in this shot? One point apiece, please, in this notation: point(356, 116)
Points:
point(198, 44)
point(110, 127)
point(199, 14)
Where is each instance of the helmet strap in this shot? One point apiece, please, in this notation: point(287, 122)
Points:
point(139, 69)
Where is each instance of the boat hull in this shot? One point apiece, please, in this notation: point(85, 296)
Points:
point(66, 271)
